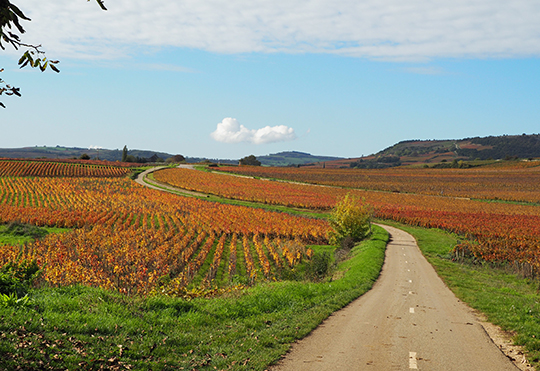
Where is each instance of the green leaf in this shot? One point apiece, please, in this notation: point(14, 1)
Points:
point(101, 4)
point(53, 67)
point(18, 12)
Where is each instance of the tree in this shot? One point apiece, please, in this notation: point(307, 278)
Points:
point(10, 23)
point(351, 218)
point(176, 159)
point(250, 160)
point(124, 154)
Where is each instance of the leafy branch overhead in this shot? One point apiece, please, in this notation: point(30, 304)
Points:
point(10, 28)
point(9, 90)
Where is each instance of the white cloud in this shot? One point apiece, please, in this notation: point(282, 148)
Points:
point(229, 130)
point(376, 29)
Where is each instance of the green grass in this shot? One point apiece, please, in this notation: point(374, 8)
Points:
point(511, 302)
point(17, 234)
point(526, 203)
point(88, 328)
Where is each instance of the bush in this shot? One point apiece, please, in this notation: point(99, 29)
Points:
point(319, 266)
point(17, 277)
point(25, 230)
point(250, 160)
point(351, 218)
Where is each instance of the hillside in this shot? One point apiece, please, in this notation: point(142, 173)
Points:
point(482, 148)
point(293, 158)
point(430, 152)
point(408, 152)
point(60, 152)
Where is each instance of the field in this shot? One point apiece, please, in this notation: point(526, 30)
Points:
point(64, 168)
point(491, 231)
point(137, 240)
point(509, 181)
point(159, 261)
point(123, 286)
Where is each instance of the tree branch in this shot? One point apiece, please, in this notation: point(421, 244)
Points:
point(10, 16)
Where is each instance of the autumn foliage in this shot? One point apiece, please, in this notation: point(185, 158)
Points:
point(512, 181)
point(137, 240)
point(351, 217)
point(55, 169)
point(502, 232)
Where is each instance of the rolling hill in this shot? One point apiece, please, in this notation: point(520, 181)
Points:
point(408, 152)
point(289, 158)
point(431, 152)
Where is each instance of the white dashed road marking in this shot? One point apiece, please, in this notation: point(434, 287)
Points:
point(412, 361)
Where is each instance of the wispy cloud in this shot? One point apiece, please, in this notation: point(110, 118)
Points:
point(376, 29)
point(231, 131)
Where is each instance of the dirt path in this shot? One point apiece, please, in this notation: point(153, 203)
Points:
point(409, 320)
point(143, 180)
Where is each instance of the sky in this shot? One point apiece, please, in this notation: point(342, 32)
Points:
point(226, 79)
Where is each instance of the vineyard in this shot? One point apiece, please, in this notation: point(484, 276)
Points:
point(248, 189)
point(137, 240)
point(493, 231)
point(14, 168)
point(512, 181)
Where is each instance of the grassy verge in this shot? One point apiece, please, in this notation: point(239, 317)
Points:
point(511, 302)
point(89, 329)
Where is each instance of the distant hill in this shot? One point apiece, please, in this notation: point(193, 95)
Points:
point(60, 152)
point(477, 148)
point(433, 152)
point(408, 152)
point(292, 158)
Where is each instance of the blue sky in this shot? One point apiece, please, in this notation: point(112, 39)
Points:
point(228, 79)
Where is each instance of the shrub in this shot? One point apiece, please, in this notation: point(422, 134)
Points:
point(17, 277)
point(250, 160)
point(319, 266)
point(351, 217)
point(25, 230)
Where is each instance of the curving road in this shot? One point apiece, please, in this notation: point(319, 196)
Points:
point(143, 180)
point(409, 320)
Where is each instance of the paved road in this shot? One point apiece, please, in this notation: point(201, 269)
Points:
point(409, 320)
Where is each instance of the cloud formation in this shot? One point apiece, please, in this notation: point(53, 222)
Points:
point(229, 130)
point(375, 29)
